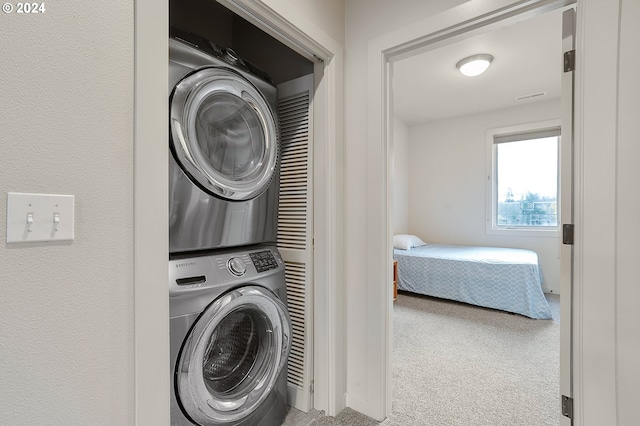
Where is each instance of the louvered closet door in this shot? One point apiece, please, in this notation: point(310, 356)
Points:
point(295, 230)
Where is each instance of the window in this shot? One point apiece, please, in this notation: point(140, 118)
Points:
point(524, 179)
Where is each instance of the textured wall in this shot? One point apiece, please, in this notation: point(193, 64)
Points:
point(313, 15)
point(66, 309)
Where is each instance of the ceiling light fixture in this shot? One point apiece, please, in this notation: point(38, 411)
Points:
point(474, 65)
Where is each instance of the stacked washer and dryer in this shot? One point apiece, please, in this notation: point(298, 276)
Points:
point(229, 324)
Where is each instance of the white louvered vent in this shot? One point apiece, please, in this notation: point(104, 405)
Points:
point(295, 276)
point(295, 221)
point(294, 142)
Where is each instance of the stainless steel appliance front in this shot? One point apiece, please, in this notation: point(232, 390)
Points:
point(223, 171)
point(230, 338)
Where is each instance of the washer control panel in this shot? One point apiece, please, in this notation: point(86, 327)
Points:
point(263, 260)
point(237, 266)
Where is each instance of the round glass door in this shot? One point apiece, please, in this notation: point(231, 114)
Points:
point(223, 133)
point(233, 356)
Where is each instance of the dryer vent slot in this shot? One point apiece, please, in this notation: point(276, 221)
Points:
point(191, 280)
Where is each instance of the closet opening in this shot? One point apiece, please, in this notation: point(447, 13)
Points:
point(296, 77)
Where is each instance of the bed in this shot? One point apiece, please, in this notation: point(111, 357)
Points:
point(492, 277)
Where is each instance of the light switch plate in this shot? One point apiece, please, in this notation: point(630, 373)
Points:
point(39, 217)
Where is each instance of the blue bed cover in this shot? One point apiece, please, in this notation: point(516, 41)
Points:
point(493, 277)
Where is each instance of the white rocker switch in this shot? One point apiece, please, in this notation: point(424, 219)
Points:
point(39, 217)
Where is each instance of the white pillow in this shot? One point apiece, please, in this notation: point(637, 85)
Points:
point(406, 242)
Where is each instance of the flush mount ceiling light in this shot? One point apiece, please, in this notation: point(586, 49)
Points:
point(474, 65)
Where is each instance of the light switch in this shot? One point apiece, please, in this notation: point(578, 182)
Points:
point(39, 217)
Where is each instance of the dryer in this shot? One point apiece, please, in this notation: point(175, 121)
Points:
point(230, 338)
point(224, 162)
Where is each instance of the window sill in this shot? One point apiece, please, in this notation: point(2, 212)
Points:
point(528, 232)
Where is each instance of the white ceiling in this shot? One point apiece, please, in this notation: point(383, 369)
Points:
point(527, 60)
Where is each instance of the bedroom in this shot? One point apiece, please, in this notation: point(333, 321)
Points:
point(443, 151)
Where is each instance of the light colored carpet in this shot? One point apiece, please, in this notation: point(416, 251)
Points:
point(456, 364)
point(299, 418)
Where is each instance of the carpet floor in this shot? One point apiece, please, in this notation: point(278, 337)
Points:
point(457, 364)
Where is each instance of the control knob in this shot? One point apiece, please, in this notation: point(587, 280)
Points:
point(236, 266)
point(230, 56)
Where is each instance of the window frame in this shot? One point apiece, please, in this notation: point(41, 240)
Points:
point(491, 187)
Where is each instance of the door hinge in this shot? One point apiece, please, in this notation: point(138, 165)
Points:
point(567, 406)
point(569, 61)
point(567, 234)
point(311, 386)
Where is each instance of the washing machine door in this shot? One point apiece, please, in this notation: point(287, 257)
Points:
point(232, 357)
point(223, 133)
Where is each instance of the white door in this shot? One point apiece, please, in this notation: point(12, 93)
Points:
point(566, 208)
point(295, 231)
point(223, 133)
point(233, 355)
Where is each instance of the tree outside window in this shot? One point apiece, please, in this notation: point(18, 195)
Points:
point(526, 171)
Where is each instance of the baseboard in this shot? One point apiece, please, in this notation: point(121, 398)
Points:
point(551, 289)
point(362, 406)
point(297, 399)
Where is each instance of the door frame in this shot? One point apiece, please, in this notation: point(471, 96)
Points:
point(460, 22)
point(329, 362)
point(151, 298)
point(151, 390)
point(566, 213)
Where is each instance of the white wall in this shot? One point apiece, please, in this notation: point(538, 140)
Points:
point(66, 309)
point(401, 184)
point(313, 16)
point(448, 175)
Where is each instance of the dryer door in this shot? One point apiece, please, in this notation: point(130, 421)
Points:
point(223, 133)
point(233, 355)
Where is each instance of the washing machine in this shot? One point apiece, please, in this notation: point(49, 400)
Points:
point(223, 136)
point(230, 337)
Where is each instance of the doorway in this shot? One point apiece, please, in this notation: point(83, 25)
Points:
point(460, 232)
